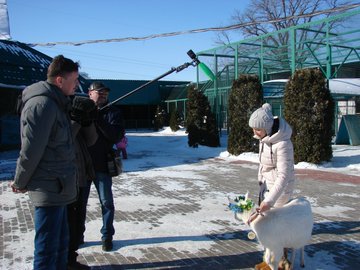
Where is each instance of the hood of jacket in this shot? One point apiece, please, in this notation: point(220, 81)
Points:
point(44, 88)
point(283, 134)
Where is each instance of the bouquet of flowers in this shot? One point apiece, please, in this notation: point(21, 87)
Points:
point(240, 205)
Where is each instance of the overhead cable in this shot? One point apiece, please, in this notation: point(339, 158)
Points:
point(194, 31)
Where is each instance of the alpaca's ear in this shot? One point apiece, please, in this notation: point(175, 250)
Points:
point(246, 195)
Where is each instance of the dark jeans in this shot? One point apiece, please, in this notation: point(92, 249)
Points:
point(51, 238)
point(77, 219)
point(103, 184)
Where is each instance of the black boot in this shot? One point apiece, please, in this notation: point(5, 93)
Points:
point(107, 245)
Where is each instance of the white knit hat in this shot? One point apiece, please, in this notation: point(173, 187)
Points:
point(262, 118)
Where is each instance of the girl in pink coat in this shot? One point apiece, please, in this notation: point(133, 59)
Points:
point(121, 146)
point(276, 155)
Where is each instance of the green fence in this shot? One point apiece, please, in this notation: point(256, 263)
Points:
point(331, 44)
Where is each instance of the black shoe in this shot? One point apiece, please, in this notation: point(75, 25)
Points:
point(107, 245)
point(77, 266)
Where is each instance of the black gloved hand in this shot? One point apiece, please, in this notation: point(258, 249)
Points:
point(89, 118)
point(83, 104)
point(83, 110)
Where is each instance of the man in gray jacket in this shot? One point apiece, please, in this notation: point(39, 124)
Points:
point(46, 165)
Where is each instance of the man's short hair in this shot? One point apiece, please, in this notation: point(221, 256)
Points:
point(60, 66)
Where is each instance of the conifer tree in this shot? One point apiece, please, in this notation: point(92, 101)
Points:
point(175, 120)
point(309, 109)
point(245, 97)
point(210, 134)
point(193, 121)
point(160, 118)
point(200, 121)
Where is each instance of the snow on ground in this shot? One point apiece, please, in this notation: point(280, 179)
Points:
point(346, 158)
point(160, 156)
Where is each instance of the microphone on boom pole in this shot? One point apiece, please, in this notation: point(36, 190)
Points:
point(201, 65)
point(195, 62)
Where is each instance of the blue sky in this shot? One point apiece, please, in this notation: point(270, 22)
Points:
point(41, 21)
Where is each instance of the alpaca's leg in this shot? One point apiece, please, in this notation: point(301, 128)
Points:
point(284, 263)
point(302, 263)
point(286, 252)
point(276, 257)
point(293, 254)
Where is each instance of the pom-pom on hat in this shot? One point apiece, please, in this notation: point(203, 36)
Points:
point(262, 118)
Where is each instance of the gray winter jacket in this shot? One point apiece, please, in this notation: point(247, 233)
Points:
point(46, 164)
point(276, 168)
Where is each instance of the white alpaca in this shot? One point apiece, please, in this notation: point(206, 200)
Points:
point(289, 226)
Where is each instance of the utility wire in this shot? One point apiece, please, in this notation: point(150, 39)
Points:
point(194, 31)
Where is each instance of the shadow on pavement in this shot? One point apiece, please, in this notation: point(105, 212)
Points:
point(241, 261)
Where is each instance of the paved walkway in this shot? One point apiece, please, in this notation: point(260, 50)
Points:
point(336, 235)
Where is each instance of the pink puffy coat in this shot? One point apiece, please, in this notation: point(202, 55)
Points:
point(276, 156)
point(123, 143)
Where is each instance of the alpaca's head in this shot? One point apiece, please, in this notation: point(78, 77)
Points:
point(242, 207)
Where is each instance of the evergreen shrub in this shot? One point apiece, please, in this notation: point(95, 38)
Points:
point(245, 97)
point(309, 109)
point(159, 118)
point(175, 120)
point(200, 120)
